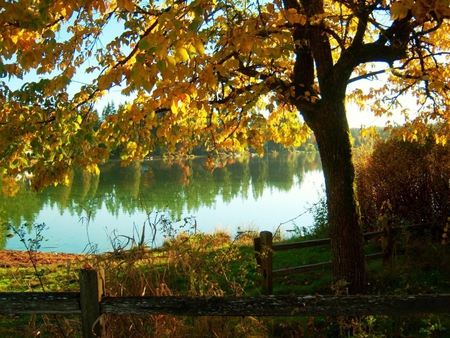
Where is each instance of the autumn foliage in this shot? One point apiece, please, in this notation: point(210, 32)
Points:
point(408, 181)
point(226, 75)
point(220, 75)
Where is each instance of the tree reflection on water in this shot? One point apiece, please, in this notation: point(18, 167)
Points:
point(176, 185)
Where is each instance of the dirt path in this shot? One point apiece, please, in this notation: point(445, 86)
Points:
point(12, 258)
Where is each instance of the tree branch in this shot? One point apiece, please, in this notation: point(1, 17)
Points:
point(136, 48)
point(374, 52)
point(366, 76)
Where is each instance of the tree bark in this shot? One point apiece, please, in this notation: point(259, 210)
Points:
point(330, 126)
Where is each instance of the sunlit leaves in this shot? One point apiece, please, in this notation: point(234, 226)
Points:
point(199, 47)
point(285, 128)
point(126, 4)
point(10, 187)
point(112, 77)
point(219, 75)
point(420, 9)
point(180, 104)
point(181, 54)
point(294, 17)
point(399, 9)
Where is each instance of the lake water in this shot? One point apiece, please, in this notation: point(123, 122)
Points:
point(245, 193)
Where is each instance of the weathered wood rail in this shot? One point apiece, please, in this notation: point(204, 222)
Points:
point(68, 303)
point(285, 305)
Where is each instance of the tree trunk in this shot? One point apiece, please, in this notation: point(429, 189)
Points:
point(330, 126)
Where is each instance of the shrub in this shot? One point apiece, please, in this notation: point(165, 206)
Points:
point(409, 181)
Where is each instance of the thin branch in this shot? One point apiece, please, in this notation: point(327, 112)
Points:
point(136, 48)
point(366, 76)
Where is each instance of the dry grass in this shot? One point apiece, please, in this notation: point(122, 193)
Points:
point(187, 264)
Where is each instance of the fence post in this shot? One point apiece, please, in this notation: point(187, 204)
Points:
point(266, 260)
point(91, 292)
point(257, 248)
point(388, 242)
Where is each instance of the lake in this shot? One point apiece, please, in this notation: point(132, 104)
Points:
point(256, 193)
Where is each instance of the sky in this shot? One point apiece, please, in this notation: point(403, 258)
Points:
point(357, 118)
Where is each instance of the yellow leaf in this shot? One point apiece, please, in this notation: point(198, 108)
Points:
point(181, 54)
point(131, 146)
point(399, 10)
point(129, 5)
point(171, 60)
point(174, 107)
point(15, 38)
point(126, 4)
point(104, 82)
point(192, 91)
point(293, 17)
point(198, 45)
point(191, 49)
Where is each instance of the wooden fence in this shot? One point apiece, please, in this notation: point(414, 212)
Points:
point(90, 304)
point(264, 248)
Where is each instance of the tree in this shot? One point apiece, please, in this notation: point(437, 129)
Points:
point(109, 109)
point(225, 74)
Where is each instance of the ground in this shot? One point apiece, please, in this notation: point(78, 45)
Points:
point(12, 258)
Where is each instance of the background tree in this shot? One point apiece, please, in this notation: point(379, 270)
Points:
point(109, 109)
point(224, 74)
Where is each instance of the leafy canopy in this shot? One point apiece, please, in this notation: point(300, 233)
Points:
point(211, 72)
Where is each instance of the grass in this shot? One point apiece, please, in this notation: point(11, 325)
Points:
point(55, 277)
point(216, 264)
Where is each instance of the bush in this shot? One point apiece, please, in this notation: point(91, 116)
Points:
point(409, 181)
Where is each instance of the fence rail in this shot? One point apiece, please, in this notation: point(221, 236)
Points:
point(264, 248)
point(68, 303)
point(91, 309)
point(285, 305)
point(64, 303)
point(311, 267)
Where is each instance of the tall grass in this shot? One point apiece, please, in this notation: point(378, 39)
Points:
point(188, 263)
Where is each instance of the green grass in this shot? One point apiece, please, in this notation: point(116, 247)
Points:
point(206, 265)
point(54, 277)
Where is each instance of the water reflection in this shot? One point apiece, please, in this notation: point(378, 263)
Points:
point(180, 186)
